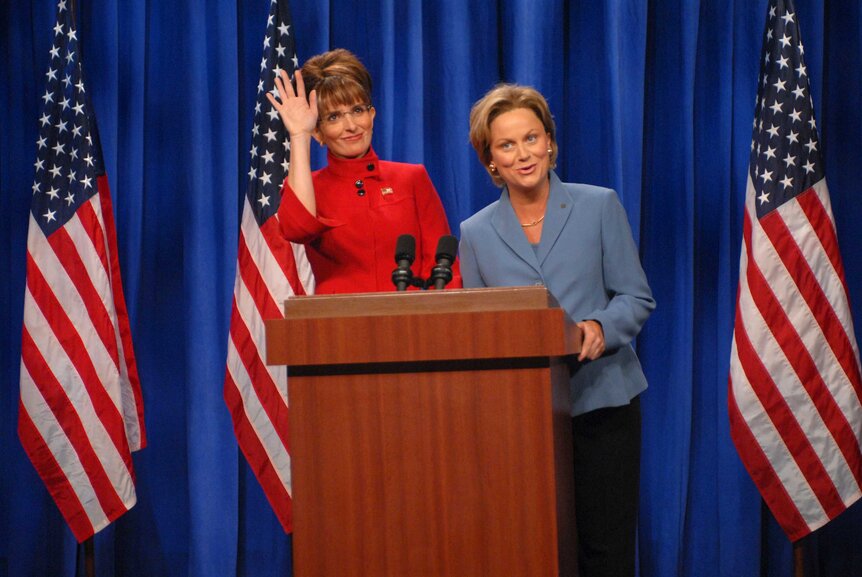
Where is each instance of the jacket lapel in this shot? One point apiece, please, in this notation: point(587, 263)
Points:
point(507, 226)
point(556, 214)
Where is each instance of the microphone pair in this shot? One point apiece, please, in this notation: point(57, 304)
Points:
point(405, 254)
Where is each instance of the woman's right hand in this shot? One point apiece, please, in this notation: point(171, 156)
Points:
point(298, 115)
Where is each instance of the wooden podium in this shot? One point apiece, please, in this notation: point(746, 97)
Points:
point(430, 433)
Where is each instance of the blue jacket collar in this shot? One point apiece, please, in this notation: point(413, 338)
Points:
point(557, 214)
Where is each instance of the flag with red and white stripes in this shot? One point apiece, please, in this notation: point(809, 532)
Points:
point(794, 387)
point(81, 412)
point(269, 269)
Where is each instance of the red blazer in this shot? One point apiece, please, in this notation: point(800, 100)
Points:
point(363, 206)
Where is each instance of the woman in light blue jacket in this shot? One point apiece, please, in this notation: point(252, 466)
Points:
point(575, 240)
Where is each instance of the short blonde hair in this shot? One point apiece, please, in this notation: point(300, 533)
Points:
point(339, 78)
point(505, 98)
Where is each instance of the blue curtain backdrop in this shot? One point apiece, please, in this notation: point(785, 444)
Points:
point(654, 98)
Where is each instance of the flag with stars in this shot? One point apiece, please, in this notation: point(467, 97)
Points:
point(80, 413)
point(269, 269)
point(794, 386)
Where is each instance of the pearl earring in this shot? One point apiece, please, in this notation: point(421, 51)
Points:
point(492, 167)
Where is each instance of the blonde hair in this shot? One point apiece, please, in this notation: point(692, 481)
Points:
point(505, 98)
point(339, 78)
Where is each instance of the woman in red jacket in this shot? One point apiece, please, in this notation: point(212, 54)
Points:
point(350, 213)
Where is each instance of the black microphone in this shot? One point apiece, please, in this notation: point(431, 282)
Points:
point(447, 248)
point(405, 253)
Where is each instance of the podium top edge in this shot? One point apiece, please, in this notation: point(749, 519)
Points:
point(420, 302)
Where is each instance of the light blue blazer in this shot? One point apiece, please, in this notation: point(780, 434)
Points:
point(588, 260)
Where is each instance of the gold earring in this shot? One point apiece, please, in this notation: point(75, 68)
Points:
point(492, 167)
point(550, 150)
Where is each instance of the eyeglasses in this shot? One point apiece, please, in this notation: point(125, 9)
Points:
point(358, 112)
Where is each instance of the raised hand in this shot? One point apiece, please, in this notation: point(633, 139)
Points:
point(298, 115)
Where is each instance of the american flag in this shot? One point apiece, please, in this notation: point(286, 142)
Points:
point(81, 412)
point(794, 387)
point(269, 269)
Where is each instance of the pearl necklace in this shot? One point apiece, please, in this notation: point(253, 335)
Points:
point(534, 223)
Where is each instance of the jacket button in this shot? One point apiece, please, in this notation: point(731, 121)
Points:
point(361, 192)
point(370, 166)
point(358, 183)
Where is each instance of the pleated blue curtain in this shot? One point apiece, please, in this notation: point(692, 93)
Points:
point(653, 98)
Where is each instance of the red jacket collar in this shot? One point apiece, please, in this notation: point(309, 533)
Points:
point(362, 167)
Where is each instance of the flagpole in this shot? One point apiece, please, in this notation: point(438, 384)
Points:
point(89, 558)
point(798, 559)
point(73, 12)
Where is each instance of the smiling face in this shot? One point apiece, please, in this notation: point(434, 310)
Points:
point(343, 87)
point(519, 148)
point(346, 130)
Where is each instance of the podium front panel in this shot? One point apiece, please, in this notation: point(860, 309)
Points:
point(430, 433)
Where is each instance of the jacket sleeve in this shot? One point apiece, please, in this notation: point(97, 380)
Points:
point(297, 224)
point(432, 225)
point(625, 283)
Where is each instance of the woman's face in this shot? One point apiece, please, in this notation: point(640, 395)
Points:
point(519, 149)
point(346, 130)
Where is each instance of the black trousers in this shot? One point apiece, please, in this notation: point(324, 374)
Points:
point(607, 446)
